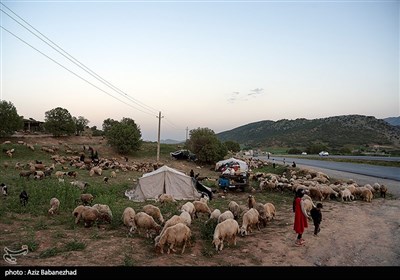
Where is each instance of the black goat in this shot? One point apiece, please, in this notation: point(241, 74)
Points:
point(23, 198)
point(4, 189)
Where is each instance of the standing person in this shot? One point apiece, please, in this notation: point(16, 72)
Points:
point(316, 215)
point(191, 173)
point(300, 216)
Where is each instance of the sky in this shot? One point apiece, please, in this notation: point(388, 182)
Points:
point(202, 64)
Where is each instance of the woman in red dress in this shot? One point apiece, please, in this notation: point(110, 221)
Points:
point(300, 216)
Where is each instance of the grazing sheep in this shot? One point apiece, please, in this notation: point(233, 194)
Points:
point(250, 218)
point(113, 174)
point(235, 209)
point(226, 215)
point(189, 207)
point(105, 213)
point(186, 217)
point(23, 198)
point(72, 174)
point(95, 170)
point(54, 205)
point(173, 235)
point(162, 198)
point(89, 215)
point(346, 195)
point(87, 198)
point(155, 212)
point(215, 215)
point(81, 185)
point(175, 219)
point(128, 217)
point(383, 190)
point(201, 207)
point(270, 211)
point(25, 173)
point(367, 195)
point(251, 201)
point(60, 174)
point(228, 230)
point(38, 175)
point(77, 213)
point(145, 221)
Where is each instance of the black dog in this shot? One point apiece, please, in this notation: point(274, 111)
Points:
point(23, 198)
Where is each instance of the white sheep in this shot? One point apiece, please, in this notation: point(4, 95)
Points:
point(228, 230)
point(226, 215)
point(235, 209)
point(189, 207)
point(186, 217)
point(173, 235)
point(54, 205)
point(128, 217)
point(155, 212)
point(346, 195)
point(270, 211)
point(250, 218)
point(146, 222)
point(214, 215)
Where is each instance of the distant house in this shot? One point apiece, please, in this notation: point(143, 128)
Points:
point(32, 125)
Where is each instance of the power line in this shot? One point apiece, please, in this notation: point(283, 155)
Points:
point(76, 61)
point(72, 72)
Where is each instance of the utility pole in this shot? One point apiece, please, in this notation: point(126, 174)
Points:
point(187, 129)
point(158, 142)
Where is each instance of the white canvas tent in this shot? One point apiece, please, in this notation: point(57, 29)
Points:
point(165, 180)
point(243, 167)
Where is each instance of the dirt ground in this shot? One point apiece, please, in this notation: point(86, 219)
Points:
point(352, 234)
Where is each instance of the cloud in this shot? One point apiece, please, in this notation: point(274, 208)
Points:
point(236, 96)
point(256, 91)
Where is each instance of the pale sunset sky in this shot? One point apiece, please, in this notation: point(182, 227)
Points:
point(215, 64)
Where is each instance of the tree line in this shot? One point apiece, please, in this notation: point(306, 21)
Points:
point(124, 136)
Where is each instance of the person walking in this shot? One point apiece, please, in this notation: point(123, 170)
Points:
point(300, 217)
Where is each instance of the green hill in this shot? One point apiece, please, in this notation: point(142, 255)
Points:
point(334, 132)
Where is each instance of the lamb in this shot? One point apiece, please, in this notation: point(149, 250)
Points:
point(235, 209)
point(155, 212)
point(228, 230)
point(128, 217)
point(201, 207)
point(145, 221)
point(87, 198)
point(259, 207)
point(189, 207)
point(54, 205)
point(346, 195)
point(105, 213)
point(226, 215)
point(367, 195)
point(250, 218)
point(173, 235)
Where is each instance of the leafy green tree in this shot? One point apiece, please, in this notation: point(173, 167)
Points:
point(232, 146)
point(10, 120)
point(80, 124)
point(58, 122)
point(124, 136)
point(205, 144)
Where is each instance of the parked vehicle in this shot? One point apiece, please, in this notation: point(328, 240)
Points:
point(323, 154)
point(184, 154)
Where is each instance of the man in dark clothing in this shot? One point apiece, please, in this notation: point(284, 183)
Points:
point(316, 215)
